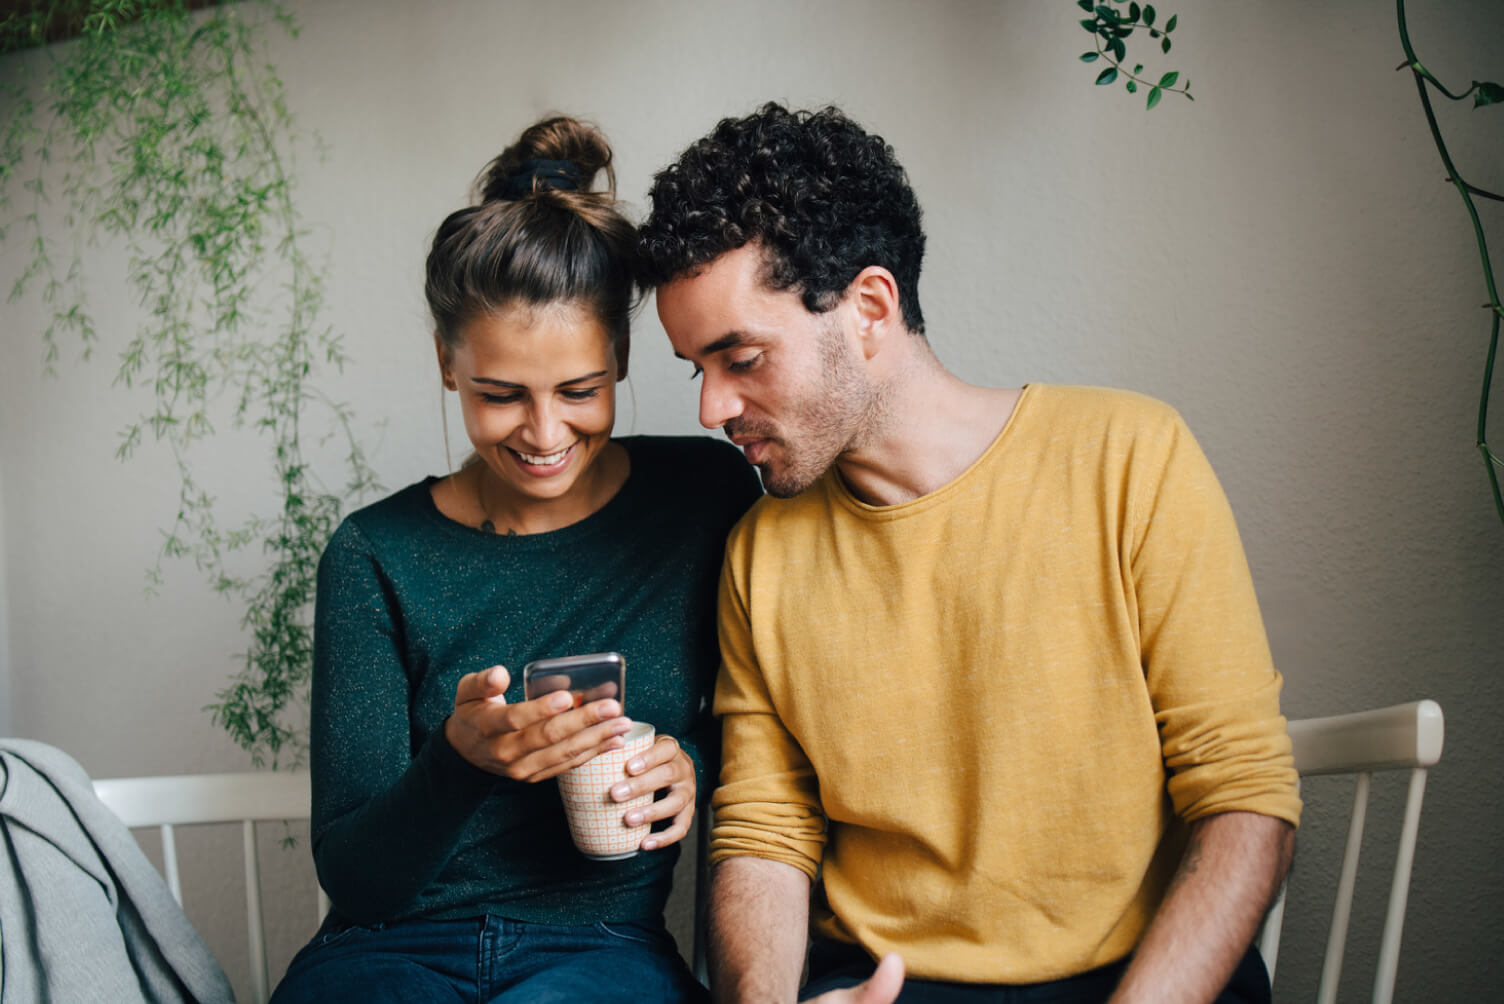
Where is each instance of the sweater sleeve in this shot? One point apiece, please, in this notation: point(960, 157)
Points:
point(768, 803)
point(734, 486)
point(385, 821)
point(1211, 678)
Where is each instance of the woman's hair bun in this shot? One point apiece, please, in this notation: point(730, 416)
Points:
point(556, 154)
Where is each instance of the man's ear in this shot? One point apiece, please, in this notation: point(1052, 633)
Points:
point(444, 363)
point(874, 297)
point(622, 346)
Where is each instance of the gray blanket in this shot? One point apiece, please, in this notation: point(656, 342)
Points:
point(83, 914)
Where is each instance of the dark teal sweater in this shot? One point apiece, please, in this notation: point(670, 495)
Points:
point(409, 601)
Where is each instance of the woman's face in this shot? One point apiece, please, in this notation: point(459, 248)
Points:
point(537, 388)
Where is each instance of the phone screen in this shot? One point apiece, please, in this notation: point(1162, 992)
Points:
point(587, 677)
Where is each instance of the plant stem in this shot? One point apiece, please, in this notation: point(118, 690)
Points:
point(1132, 76)
point(1422, 76)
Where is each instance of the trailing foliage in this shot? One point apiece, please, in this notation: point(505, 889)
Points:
point(1112, 26)
point(164, 130)
point(1483, 93)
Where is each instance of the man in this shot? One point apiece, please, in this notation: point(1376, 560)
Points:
point(994, 673)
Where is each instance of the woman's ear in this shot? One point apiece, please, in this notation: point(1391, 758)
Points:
point(444, 363)
point(622, 346)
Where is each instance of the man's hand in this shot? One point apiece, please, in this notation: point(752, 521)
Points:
point(531, 741)
point(1228, 876)
point(882, 986)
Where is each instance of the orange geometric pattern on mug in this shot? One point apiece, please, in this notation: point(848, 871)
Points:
point(595, 821)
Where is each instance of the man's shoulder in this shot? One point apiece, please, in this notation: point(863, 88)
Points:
point(1123, 423)
point(1101, 406)
point(773, 518)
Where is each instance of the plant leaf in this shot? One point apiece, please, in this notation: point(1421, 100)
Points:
point(1154, 96)
point(1108, 75)
point(1164, 45)
point(1085, 5)
point(1488, 93)
point(1106, 13)
point(1139, 68)
point(1118, 48)
point(1168, 80)
point(1090, 24)
point(1089, 57)
point(1148, 15)
point(1132, 87)
point(1170, 24)
point(1133, 12)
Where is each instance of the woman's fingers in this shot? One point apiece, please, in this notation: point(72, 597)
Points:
point(665, 768)
point(675, 831)
point(543, 758)
point(486, 684)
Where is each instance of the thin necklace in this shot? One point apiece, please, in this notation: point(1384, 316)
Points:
point(486, 525)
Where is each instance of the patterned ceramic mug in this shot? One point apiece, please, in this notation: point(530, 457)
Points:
point(595, 821)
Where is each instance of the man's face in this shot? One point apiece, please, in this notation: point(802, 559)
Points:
point(785, 384)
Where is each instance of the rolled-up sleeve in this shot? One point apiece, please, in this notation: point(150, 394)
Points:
point(1207, 663)
point(768, 802)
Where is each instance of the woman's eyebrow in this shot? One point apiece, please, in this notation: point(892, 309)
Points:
point(490, 382)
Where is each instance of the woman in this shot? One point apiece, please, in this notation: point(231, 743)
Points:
point(446, 857)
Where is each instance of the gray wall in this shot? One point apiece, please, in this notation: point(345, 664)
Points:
point(1279, 260)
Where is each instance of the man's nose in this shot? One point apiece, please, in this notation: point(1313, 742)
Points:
point(718, 403)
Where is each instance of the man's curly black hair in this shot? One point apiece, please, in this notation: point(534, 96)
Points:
point(824, 197)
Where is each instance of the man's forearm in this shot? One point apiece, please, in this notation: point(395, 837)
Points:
point(1229, 874)
point(759, 918)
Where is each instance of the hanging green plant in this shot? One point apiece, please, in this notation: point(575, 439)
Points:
point(1113, 24)
point(1484, 93)
point(164, 129)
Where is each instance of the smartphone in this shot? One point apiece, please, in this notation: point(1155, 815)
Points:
point(587, 677)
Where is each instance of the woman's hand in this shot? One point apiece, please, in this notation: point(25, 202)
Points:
point(534, 740)
point(664, 765)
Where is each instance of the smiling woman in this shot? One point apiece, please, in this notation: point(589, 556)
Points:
point(537, 391)
point(446, 856)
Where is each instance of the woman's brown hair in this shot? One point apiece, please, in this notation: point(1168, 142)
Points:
point(538, 234)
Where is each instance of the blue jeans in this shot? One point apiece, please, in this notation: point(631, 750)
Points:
point(834, 964)
point(489, 959)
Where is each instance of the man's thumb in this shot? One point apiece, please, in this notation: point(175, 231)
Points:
point(885, 983)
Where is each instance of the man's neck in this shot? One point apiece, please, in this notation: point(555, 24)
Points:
point(935, 426)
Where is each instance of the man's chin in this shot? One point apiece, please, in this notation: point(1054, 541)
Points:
point(781, 485)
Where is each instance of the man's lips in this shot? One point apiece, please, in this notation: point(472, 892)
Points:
point(752, 446)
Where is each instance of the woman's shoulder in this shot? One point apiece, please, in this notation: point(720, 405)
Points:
point(398, 514)
point(694, 458)
point(694, 467)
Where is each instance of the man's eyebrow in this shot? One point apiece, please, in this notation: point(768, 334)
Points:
point(730, 340)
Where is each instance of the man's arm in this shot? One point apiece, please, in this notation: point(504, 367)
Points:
point(759, 916)
point(759, 912)
point(1231, 870)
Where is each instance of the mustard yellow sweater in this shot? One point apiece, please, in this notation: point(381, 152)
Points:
point(1006, 697)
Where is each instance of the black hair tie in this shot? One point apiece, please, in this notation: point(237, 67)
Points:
point(534, 174)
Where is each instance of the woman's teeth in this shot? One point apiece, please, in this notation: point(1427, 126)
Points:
point(548, 460)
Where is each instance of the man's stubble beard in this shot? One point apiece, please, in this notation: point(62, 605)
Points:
point(839, 413)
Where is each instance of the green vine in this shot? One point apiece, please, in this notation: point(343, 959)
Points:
point(1112, 28)
point(165, 129)
point(1483, 93)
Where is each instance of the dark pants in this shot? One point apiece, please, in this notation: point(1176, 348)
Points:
point(489, 960)
point(834, 964)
